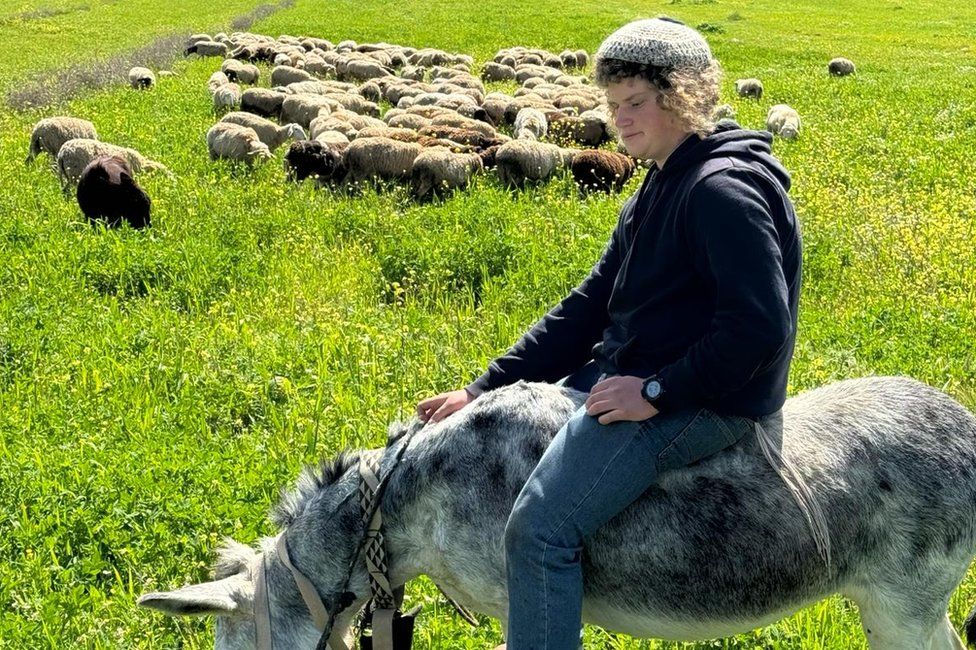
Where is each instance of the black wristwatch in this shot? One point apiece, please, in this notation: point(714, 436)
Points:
point(652, 390)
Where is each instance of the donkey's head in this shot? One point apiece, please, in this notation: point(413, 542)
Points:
point(323, 527)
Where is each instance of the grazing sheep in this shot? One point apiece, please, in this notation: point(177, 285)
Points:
point(356, 104)
point(749, 88)
point(495, 105)
point(246, 73)
point(333, 139)
point(438, 171)
point(235, 142)
point(207, 48)
point(75, 154)
point(784, 121)
point(841, 67)
point(216, 80)
point(141, 78)
point(582, 58)
point(263, 102)
point(315, 159)
point(371, 91)
point(723, 112)
point(599, 170)
point(518, 103)
point(461, 135)
point(50, 133)
point(451, 118)
point(409, 121)
point(283, 75)
point(519, 161)
point(380, 158)
point(302, 109)
point(497, 72)
point(363, 70)
point(531, 123)
point(270, 133)
point(590, 129)
point(227, 97)
point(107, 192)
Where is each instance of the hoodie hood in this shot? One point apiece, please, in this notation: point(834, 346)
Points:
point(729, 140)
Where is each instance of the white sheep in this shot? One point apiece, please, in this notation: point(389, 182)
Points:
point(383, 158)
point(519, 161)
point(270, 133)
point(530, 123)
point(784, 121)
point(50, 133)
point(235, 142)
point(262, 101)
point(722, 112)
point(841, 67)
point(749, 88)
point(439, 170)
point(75, 154)
point(283, 75)
point(141, 78)
point(302, 109)
point(227, 97)
point(216, 80)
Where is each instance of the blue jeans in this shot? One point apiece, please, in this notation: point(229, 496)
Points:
point(589, 473)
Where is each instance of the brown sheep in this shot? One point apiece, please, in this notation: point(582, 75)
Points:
point(604, 171)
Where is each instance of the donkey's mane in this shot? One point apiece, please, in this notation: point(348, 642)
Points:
point(310, 482)
point(316, 478)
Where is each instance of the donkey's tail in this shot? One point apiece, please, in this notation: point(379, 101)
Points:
point(970, 628)
point(801, 492)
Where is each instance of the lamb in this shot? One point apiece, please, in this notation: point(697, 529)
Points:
point(216, 80)
point(75, 154)
point(784, 121)
point(263, 102)
point(380, 158)
point(270, 133)
point(841, 67)
point(531, 123)
point(227, 97)
point(107, 192)
point(600, 170)
point(519, 161)
point(283, 75)
point(141, 78)
point(207, 48)
point(315, 159)
point(50, 133)
point(235, 142)
point(749, 88)
point(437, 171)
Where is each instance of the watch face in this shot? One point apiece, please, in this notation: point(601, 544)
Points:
point(652, 389)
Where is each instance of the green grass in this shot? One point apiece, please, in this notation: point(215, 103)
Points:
point(140, 421)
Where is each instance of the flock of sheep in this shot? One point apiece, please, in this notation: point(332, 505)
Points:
point(443, 128)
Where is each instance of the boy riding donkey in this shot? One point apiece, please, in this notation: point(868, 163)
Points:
point(686, 323)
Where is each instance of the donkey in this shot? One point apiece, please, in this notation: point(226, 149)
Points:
point(714, 549)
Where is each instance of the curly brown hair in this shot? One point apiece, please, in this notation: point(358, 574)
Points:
point(690, 94)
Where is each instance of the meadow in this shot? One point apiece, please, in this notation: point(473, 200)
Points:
point(158, 388)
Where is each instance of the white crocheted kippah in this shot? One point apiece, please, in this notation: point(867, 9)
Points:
point(659, 42)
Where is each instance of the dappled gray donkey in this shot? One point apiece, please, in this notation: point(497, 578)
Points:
point(716, 549)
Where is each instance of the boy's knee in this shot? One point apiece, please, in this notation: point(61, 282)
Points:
point(522, 526)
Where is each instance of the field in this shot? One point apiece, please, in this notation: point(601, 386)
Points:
point(158, 388)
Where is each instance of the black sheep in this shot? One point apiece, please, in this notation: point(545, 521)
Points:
point(314, 159)
point(107, 192)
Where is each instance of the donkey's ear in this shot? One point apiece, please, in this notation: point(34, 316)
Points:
point(227, 597)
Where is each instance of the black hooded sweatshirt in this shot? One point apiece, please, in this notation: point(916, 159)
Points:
point(699, 284)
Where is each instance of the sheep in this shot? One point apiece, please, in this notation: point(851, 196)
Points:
point(722, 112)
point(438, 171)
point(574, 97)
point(283, 75)
point(409, 121)
point(371, 91)
point(531, 123)
point(247, 73)
point(380, 158)
point(75, 154)
point(413, 72)
point(263, 102)
point(50, 133)
point(302, 109)
point(451, 118)
point(599, 170)
point(841, 67)
point(107, 192)
point(235, 142)
point(582, 58)
point(141, 78)
point(749, 88)
point(518, 103)
point(784, 121)
point(568, 57)
point(332, 138)
point(495, 105)
point(315, 159)
point(344, 121)
point(497, 72)
point(227, 97)
point(356, 104)
point(270, 133)
point(363, 70)
point(216, 80)
point(207, 48)
point(519, 161)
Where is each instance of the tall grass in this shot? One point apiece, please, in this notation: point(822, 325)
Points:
point(158, 388)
